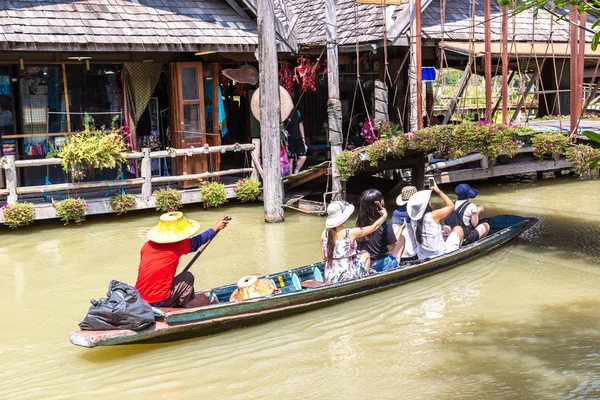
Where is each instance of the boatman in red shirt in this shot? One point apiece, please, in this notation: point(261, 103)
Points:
point(159, 258)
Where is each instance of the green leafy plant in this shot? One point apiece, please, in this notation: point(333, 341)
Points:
point(378, 151)
point(167, 200)
point(387, 130)
point(584, 160)
point(548, 143)
point(246, 189)
point(122, 203)
point(214, 194)
point(92, 148)
point(18, 214)
point(71, 210)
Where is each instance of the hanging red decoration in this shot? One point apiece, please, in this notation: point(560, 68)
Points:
point(286, 76)
point(306, 74)
point(241, 89)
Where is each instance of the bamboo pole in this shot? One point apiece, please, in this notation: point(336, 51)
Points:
point(419, 64)
point(574, 69)
point(79, 186)
point(488, 60)
point(203, 175)
point(505, 79)
point(66, 93)
point(269, 111)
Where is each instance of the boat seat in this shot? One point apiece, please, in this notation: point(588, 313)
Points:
point(311, 283)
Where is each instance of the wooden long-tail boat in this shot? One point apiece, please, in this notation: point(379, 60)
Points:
point(298, 290)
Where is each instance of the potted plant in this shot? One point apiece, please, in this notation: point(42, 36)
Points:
point(122, 203)
point(167, 200)
point(213, 194)
point(71, 210)
point(172, 152)
point(18, 214)
point(247, 189)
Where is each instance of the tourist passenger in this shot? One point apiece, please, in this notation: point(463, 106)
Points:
point(159, 257)
point(466, 215)
point(342, 260)
point(428, 230)
point(406, 247)
point(294, 127)
point(380, 244)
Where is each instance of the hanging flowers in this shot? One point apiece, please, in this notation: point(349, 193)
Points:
point(286, 76)
point(369, 131)
point(306, 71)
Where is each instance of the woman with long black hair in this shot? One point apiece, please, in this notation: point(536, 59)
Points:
point(380, 244)
point(342, 260)
point(428, 228)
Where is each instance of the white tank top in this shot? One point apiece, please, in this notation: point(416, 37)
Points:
point(410, 242)
point(432, 240)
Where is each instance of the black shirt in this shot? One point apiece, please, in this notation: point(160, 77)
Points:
point(377, 242)
point(292, 126)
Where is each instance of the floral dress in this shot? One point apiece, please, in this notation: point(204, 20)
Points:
point(346, 263)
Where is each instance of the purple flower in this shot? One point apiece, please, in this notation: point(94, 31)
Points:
point(537, 149)
point(462, 139)
point(593, 155)
point(549, 145)
point(478, 137)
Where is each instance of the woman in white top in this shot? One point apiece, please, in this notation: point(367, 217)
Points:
point(428, 230)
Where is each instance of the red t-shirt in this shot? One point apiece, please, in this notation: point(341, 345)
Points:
point(158, 264)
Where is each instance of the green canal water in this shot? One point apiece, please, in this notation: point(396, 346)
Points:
point(520, 323)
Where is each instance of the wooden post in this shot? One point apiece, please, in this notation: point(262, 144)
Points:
point(419, 64)
point(257, 173)
point(11, 179)
point(505, 80)
point(381, 102)
point(429, 102)
point(581, 62)
point(528, 87)
point(269, 111)
point(334, 105)
point(146, 174)
point(462, 85)
point(66, 92)
point(574, 69)
point(488, 60)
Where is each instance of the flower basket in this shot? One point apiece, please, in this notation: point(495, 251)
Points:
point(247, 190)
point(18, 214)
point(122, 203)
point(167, 200)
point(213, 194)
point(71, 210)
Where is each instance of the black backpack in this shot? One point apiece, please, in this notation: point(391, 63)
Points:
point(123, 308)
point(456, 217)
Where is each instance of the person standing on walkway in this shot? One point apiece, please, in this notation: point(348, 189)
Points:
point(296, 140)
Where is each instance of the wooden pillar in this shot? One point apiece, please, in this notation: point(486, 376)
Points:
point(429, 102)
point(269, 111)
point(255, 155)
point(66, 94)
point(11, 179)
point(418, 173)
point(574, 69)
point(334, 105)
point(505, 80)
point(381, 102)
point(581, 62)
point(462, 85)
point(488, 60)
point(146, 173)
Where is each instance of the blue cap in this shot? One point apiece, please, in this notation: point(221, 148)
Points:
point(398, 217)
point(464, 191)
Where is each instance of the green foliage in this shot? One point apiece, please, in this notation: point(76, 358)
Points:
point(122, 203)
point(548, 143)
point(387, 130)
point(247, 189)
point(18, 214)
point(167, 200)
point(214, 194)
point(584, 160)
point(378, 151)
point(92, 148)
point(348, 163)
point(71, 209)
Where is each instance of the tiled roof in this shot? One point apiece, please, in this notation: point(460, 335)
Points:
point(356, 22)
point(124, 25)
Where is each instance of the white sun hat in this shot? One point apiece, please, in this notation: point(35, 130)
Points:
point(417, 204)
point(338, 212)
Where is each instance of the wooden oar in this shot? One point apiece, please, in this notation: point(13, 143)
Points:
point(201, 249)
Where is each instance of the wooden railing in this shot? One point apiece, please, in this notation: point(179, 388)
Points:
point(13, 190)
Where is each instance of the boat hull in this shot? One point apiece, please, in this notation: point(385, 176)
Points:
point(186, 323)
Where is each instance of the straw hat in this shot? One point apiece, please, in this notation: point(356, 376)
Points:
point(172, 227)
point(338, 212)
point(405, 195)
point(250, 287)
point(287, 104)
point(246, 74)
point(417, 204)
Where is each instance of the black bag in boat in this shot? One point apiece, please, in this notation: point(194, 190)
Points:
point(123, 308)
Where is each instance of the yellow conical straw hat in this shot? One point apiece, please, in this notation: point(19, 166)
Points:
point(173, 227)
